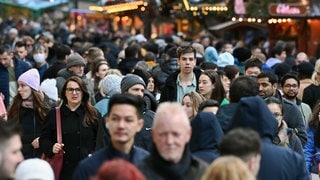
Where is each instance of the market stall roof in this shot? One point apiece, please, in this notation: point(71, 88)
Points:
point(34, 4)
point(235, 24)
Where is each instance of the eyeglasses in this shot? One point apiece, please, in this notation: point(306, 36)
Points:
point(71, 90)
point(293, 86)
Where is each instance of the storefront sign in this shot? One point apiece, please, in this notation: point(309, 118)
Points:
point(287, 10)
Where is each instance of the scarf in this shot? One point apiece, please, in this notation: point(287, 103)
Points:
point(28, 103)
point(168, 169)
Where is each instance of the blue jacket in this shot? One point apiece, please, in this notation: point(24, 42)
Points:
point(90, 166)
point(310, 151)
point(225, 114)
point(19, 68)
point(206, 135)
point(276, 162)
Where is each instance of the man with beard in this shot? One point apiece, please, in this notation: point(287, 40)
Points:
point(290, 87)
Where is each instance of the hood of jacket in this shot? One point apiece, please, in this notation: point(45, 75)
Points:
point(252, 112)
point(225, 114)
point(206, 132)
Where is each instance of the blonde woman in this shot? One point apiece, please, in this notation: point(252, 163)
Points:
point(228, 168)
point(191, 102)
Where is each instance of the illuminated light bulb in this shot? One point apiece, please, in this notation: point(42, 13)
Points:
point(259, 20)
point(240, 19)
point(233, 19)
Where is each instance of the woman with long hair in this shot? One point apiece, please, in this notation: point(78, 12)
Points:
point(210, 85)
point(79, 126)
point(29, 109)
point(191, 102)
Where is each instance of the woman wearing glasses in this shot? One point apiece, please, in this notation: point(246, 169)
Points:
point(79, 125)
point(285, 137)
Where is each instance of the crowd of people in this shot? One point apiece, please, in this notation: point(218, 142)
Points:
point(165, 108)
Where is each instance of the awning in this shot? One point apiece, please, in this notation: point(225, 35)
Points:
point(34, 5)
point(235, 24)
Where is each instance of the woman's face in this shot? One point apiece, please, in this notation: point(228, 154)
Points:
point(102, 71)
point(187, 106)
point(276, 111)
point(226, 83)
point(24, 90)
point(205, 86)
point(73, 93)
point(150, 85)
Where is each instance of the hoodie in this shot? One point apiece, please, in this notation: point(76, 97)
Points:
point(276, 162)
point(206, 135)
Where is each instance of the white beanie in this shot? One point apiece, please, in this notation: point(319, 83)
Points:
point(48, 87)
point(34, 168)
point(110, 84)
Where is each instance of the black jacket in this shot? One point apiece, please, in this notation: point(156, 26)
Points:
point(169, 92)
point(79, 141)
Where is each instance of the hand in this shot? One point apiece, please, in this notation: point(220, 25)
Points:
point(4, 116)
point(35, 143)
point(57, 148)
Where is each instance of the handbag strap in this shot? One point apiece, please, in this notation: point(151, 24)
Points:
point(58, 122)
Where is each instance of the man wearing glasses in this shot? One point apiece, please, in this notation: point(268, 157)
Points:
point(185, 79)
point(290, 87)
point(74, 67)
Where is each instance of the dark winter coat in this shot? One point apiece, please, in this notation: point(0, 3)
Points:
point(89, 167)
point(79, 141)
point(169, 92)
point(276, 162)
point(206, 135)
point(19, 68)
point(164, 70)
point(225, 114)
point(155, 167)
point(311, 152)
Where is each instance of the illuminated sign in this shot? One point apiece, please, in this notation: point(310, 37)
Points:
point(288, 9)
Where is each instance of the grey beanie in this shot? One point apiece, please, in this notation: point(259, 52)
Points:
point(74, 60)
point(110, 84)
point(130, 80)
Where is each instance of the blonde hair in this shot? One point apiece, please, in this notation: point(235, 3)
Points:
point(228, 168)
point(316, 81)
point(196, 99)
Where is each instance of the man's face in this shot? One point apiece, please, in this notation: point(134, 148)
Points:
point(290, 89)
point(170, 135)
point(187, 62)
point(10, 157)
point(282, 56)
point(123, 124)
point(21, 52)
point(6, 59)
point(136, 90)
point(252, 71)
point(78, 70)
point(266, 89)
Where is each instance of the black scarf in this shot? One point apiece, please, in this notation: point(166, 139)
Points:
point(168, 169)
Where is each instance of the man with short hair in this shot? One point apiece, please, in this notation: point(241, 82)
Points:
point(301, 57)
point(245, 144)
point(290, 87)
point(268, 87)
point(243, 86)
point(10, 70)
point(74, 67)
point(183, 81)
point(252, 67)
point(21, 52)
point(278, 55)
point(123, 121)
point(171, 157)
point(10, 149)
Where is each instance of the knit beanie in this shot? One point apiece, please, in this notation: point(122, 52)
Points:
point(74, 60)
point(48, 86)
point(225, 59)
point(31, 78)
point(34, 168)
point(130, 80)
point(110, 84)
